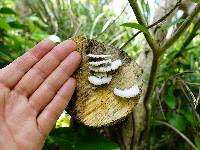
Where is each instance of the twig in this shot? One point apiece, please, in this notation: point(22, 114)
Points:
point(183, 73)
point(114, 20)
point(133, 37)
point(159, 100)
point(180, 30)
point(154, 24)
point(193, 84)
point(177, 131)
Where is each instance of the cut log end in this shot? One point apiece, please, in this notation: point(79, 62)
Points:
point(98, 106)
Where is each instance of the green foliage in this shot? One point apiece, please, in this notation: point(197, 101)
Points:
point(6, 10)
point(170, 99)
point(177, 121)
point(197, 141)
point(146, 9)
point(16, 35)
point(177, 81)
point(195, 1)
point(80, 138)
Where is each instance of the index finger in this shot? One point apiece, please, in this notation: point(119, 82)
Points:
point(11, 74)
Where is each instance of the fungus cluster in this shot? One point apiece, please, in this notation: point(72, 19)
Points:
point(101, 66)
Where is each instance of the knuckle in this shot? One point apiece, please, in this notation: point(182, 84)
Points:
point(40, 72)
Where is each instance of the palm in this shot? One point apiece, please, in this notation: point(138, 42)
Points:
point(31, 98)
point(19, 118)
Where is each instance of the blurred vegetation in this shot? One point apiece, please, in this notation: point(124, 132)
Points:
point(177, 93)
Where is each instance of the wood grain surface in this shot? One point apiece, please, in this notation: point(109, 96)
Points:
point(97, 106)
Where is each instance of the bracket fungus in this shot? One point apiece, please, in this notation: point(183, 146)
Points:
point(104, 70)
point(127, 93)
point(99, 81)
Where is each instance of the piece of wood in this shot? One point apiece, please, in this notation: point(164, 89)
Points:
point(97, 106)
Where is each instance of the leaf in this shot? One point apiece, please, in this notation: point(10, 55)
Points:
point(81, 139)
point(3, 24)
point(195, 1)
point(147, 8)
point(136, 26)
point(95, 23)
point(168, 25)
point(64, 120)
point(17, 25)
point(197, 141)
point(5, 54)
point(187, 113)
point(147, 11)
point(106, 25)
point(6, 10)
point(177, 121)
point(170, 99)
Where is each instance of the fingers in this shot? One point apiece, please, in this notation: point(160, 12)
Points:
point(11, 74)
point(40, 71)
point(47, 119)
point(48, 89)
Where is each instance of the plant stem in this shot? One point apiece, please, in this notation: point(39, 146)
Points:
point(181, 29)
point(140, 18)
point(147, 98)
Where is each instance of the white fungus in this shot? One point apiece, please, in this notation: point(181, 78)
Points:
point(127, 93)
point(99, 81)
point(98, 56)
point(101, 69)
point(116, 64)
point(98, 63)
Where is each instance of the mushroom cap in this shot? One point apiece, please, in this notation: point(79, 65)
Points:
point(98, 106)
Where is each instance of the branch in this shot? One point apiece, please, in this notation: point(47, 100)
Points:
point(178, 132)
point(153, 24)
point(151, 41)
point(180, 30)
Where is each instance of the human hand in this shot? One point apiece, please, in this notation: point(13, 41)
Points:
point(34, 90)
